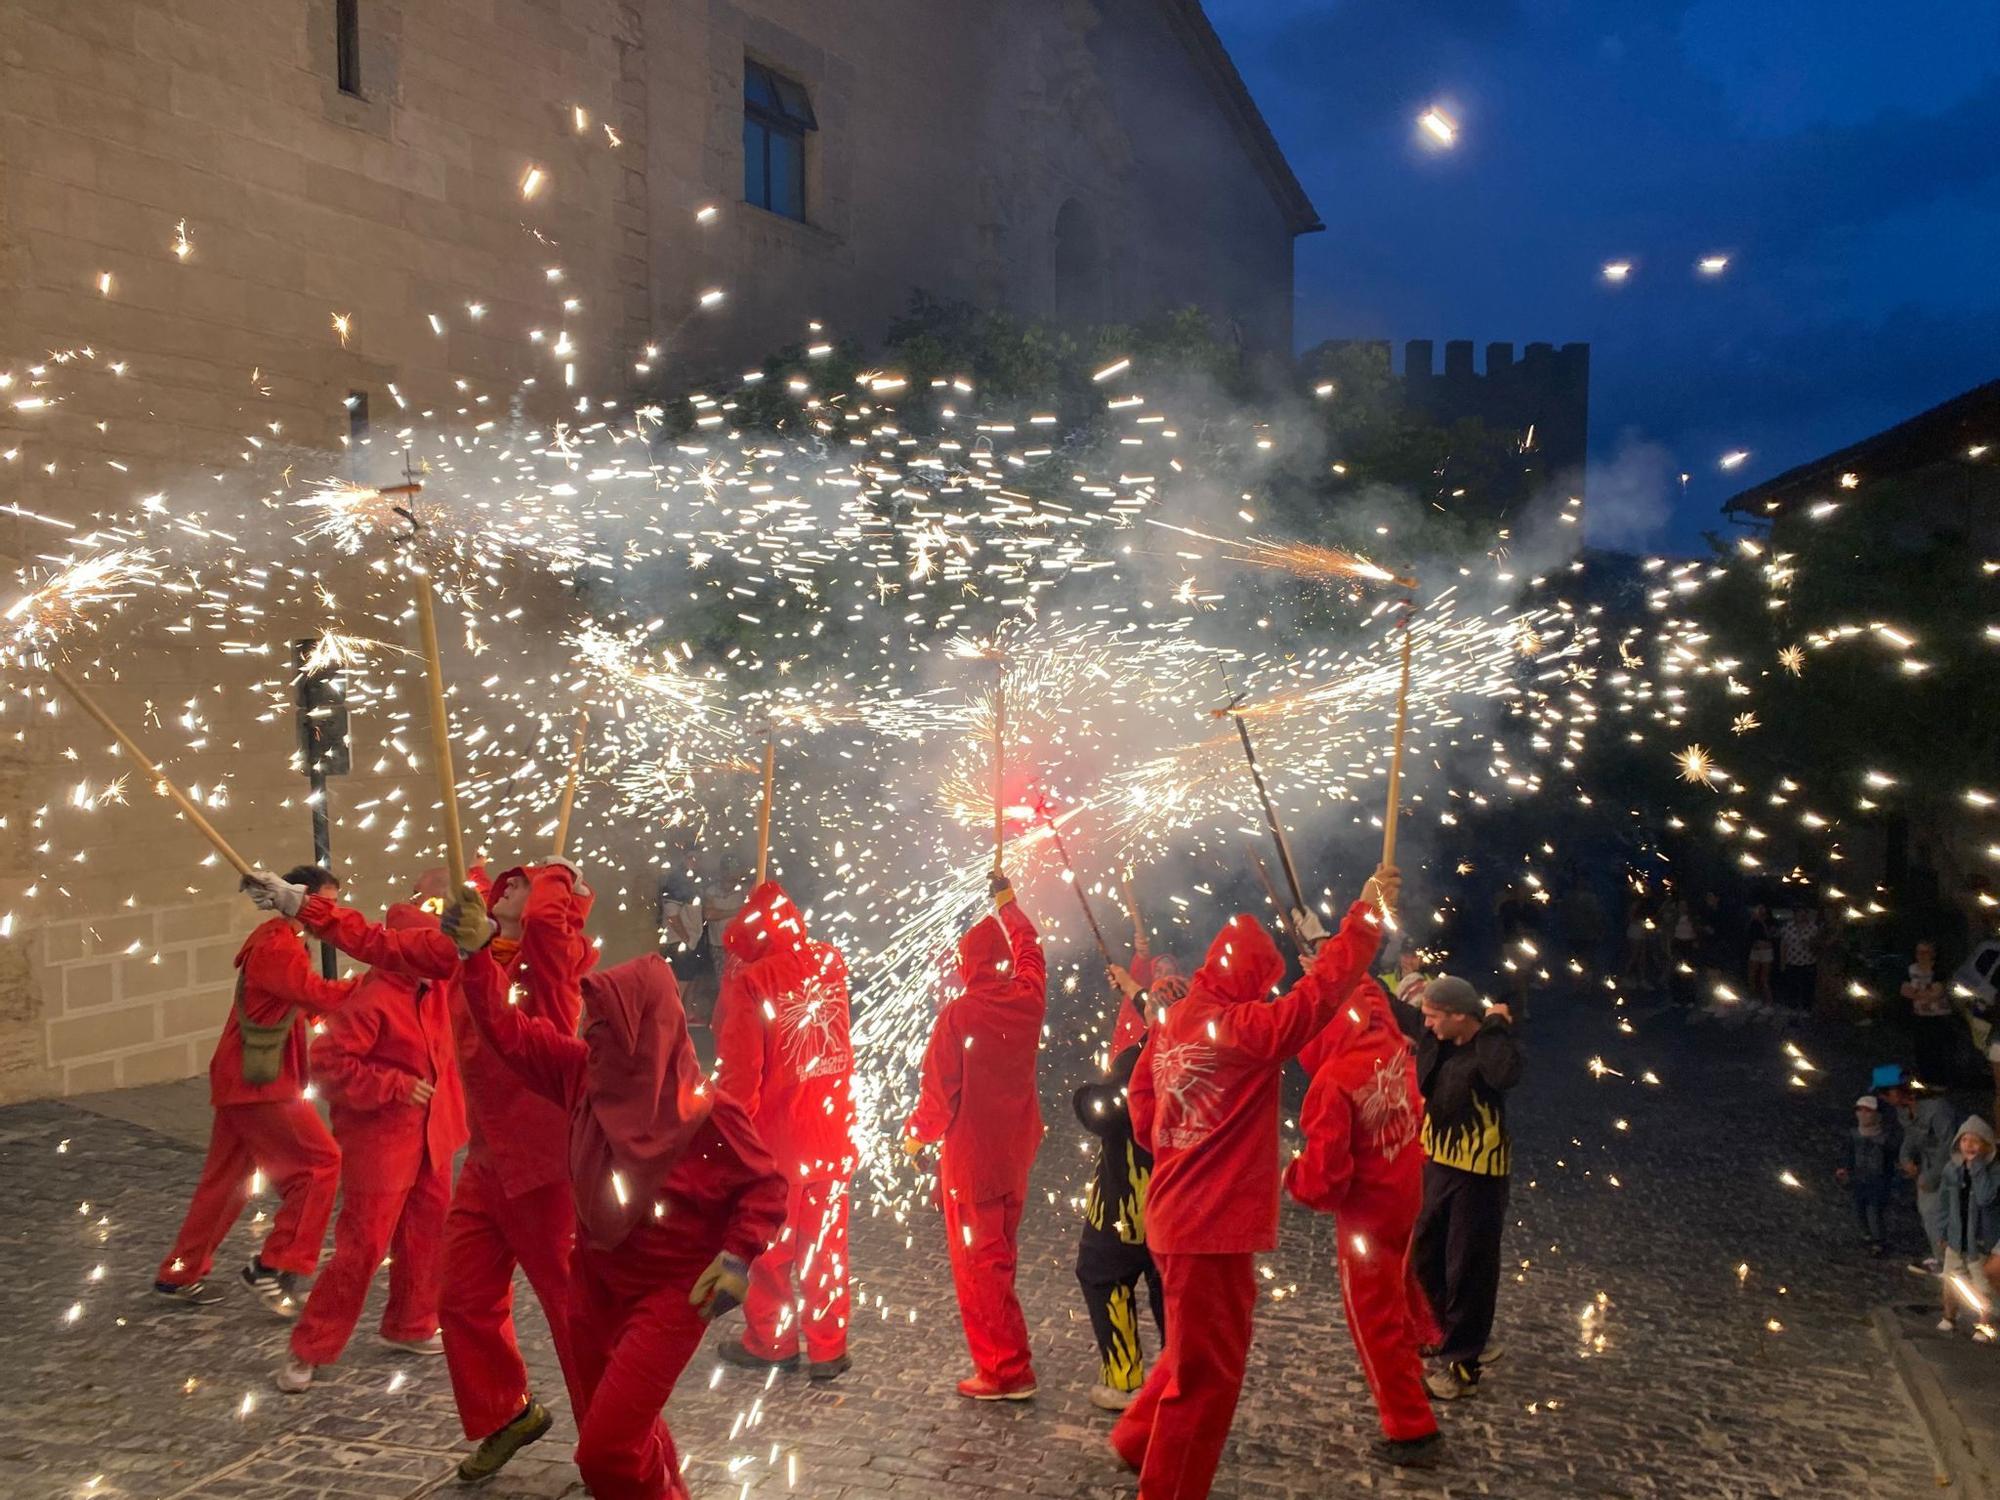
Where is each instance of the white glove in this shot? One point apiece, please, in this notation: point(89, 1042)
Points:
point(1307, 925)
point(466, 923)
point(268, 893)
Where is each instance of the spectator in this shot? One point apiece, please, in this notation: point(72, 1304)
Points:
point(1925, 1151)
point(1868, 1169)
point(1798, 957)
point(1933, 1025)
point(1762, 954)
point(1465, 1065)
point(1682, 949)
point(1971, 1225)
point(1638, 942)
point(1716, 950)
point(1583, 921)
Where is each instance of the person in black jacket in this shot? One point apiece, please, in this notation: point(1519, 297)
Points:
point(1111, 1253)
point(1466, 1062)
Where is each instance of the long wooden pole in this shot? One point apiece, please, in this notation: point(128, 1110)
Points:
point(1083, 898)
point(1000, 766)
point(1402, 730)
point(139, 757)
point(569, 786)
point(764, 811)
point(454, 843)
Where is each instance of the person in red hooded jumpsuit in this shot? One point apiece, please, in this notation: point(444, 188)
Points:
point(673, 1195)
point(511, 1207)
point(1363, 1163)
point(267, 1125)
point(386, 1067)
point(979, 1097)
point(1204, 1100)
point(783, 1053)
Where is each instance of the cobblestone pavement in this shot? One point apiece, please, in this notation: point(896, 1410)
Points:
point(1638, 1361)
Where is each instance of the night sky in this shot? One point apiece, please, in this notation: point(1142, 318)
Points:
point(1845, 154)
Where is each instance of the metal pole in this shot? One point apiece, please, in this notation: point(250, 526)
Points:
point(1069, 869)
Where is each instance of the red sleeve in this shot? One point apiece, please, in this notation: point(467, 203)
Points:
point(340, 1064)
point(423, 953)
point(1030, 967)
point(285, 971)
point(739, 1042)
point(552, 940)
point(547, 1060)
point(944, 1075)
point(757, 1216)
point(1139, 1094)
point(1318, 1176)
point(1277, 1031)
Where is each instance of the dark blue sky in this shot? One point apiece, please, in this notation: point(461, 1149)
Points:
point(1844, 153)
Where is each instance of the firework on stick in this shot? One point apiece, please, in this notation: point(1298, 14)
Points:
point(1069, 874)
point(569, 786)
point(764, 808)
point(1232, 709)
point(999, 762)
point(447, 779)
point(1402, 729)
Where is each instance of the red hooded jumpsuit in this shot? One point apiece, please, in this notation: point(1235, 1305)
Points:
point(395, 1156)
point(979, 1097)
point(1205, 1099)
point(271, 1126)
point(1363, 1163)
point(664, 1174)
point(783, 1053)
point(512, 1203)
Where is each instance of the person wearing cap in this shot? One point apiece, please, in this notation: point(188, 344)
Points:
point(1925, 1152)
point(1970, 1196)
point(1467, 1061)
point(1868, 1168)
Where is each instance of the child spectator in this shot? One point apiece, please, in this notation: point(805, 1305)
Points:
point(1868, 1169)
point(1971, 1193)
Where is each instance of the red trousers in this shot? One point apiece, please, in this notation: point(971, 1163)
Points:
point(982, 1239)
point(486, 1235)
point(289, 1143)
point(1387, 1318)
point(813, 1247)
point(1173, 1431)
point(629, 1353)
point(409, 1224)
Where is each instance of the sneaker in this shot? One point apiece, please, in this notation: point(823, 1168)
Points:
point(982, 1388)
point(1947, 1325)
point(188, 1294)
point(1410, 1453)
point(293, 1378)
point(733, 1353)
point(491, 1456)
point(1933, 1265)
point(1492, 1354)
point(279, 1289)
point(829, 1369)
point(1449, 1381)
point(432, 1345)
point(1110, 1398)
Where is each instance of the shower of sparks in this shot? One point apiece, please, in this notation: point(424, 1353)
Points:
point(1696, 767)
point(1296, 558)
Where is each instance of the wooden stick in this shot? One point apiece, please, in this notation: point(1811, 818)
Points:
point(454, 843)
point(1402, 729)
point(764, 811)
point(569, 787)
point(140, 758)
point(999, 766)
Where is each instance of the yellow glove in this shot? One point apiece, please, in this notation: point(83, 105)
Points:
point(466, 923)
point(722, 1286)
point(912, 1147)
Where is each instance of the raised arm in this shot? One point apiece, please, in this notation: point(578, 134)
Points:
point(1277, 1031)
point(422, 952)
point(552, 938)
point(548, 1061)
point(1030, 967)
point(1496, 1054)
point(944, 1078)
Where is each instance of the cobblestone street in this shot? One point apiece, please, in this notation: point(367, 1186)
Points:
point(1637, 1356)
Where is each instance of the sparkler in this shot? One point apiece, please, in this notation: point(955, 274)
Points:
point(1298, 558)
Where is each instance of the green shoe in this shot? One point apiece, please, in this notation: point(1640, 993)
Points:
point(493, 1455)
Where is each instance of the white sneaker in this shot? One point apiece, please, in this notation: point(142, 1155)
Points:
point(1947, 1325)
point(293, 1378)
point(432, 1345)
point(1109, 1398)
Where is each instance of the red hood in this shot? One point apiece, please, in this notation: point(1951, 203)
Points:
point(768, 923)
point(492, 889)
point(263, 932)
point(1242, 963)
point(404, 917)
point(984, 954)
point(1376, 1016)
point(644, 1094)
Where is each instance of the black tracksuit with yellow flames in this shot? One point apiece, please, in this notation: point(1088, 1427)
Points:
point(1111, 1254)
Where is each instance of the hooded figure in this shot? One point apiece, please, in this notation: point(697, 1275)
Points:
point(783, 1053)
point(980, 1099)
point(1363, 1164)
point(1205, 1100)
point(673, 1192)
point(385, 1066)
point(511, 1207)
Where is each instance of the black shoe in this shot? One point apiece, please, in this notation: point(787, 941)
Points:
point(491, 1456)
point(187, 1294)
point(280, 1290)
point(829, 1369)
point(1410, 1453)
point(733, 1353)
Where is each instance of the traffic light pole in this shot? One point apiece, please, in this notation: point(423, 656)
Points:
point(315, 732)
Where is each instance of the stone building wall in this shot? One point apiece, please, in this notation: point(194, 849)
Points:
point(1065, 157)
